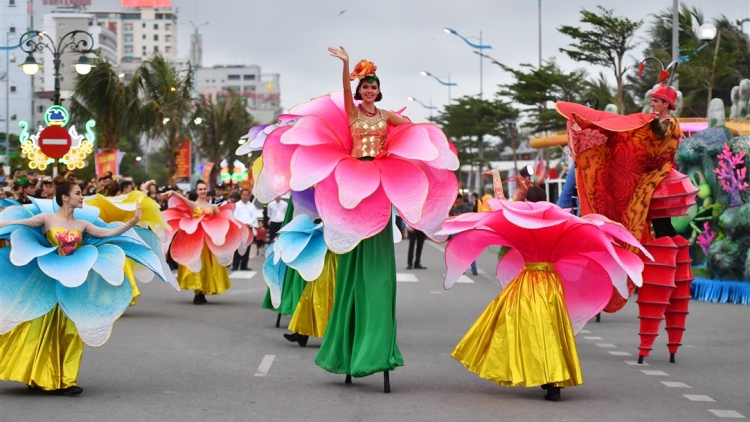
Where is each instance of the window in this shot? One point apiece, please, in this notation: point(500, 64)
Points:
point(156, 26)
point(156, 49)
point(12, 88)
point(248, 77)
point(129, 49)
point(143, 37)
point(167, 26)
point(11, 3)
point(62, 24)
point(128, 27)
point(249, 88)
point(156, 37)
point(12, 29)
point(40, 109)
point(13, 117)
point(143, 50)
point(168, 49)
point(168, 38)
point(233, 77)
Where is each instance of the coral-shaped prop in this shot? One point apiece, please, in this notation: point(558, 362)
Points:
point(706, 238)
point(730, 174)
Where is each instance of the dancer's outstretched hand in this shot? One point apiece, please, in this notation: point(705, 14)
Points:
point(339, 52)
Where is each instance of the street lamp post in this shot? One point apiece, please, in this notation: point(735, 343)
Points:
point(428, 107)
point(36, 41)
point(479, 47)
point(449, 84)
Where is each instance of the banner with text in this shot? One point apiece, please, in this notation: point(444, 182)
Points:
point(181, 150)
point(108, 161)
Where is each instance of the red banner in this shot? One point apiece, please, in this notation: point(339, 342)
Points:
point(108, 161)
point(207, 169)
point(181, 150)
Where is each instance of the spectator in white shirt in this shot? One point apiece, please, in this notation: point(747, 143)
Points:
point(244, 212)
point(276, 214)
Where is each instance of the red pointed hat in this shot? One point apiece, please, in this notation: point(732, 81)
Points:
point(665, 93)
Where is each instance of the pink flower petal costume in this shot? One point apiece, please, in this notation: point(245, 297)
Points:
point(360, 171)
point(558, 274)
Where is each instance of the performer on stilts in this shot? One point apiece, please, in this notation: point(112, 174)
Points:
point(62, 279)
point(558, 274)
point(362, 161)
point(625, 171)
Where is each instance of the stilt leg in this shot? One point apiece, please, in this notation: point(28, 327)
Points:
point(348, 379)
point(278, 321)
point(386, 383)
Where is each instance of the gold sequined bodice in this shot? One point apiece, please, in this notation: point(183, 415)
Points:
point(368, 138)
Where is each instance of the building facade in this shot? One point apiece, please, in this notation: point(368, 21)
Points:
point(15, 86)
point(261, 90)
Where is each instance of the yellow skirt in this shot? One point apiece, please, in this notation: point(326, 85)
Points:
point(524, 337)
point(131, 278)
point(213, 279)
point(45, 352)
point(314, 307)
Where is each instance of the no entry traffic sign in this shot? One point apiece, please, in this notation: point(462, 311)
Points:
point(54, 141)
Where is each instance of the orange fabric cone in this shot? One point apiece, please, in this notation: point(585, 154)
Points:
point(658, 286)
point(677, 311)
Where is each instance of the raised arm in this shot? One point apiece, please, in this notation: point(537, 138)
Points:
point(182, 198)
point(102, 232)
point(346, 79)
point(35, 221)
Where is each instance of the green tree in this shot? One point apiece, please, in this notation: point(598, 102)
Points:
point(223, 123)
point(605, 43)
point(167, 94)
point(115, 106)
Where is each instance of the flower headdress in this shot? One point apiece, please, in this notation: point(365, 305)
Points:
point(365, 69)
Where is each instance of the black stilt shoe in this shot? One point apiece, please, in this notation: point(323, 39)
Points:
point(348, 379)
point(640, 360)
point(599, 317)
point(73, 390)
point(278, 320)
point(199, 299)
point(553, 393)
point(671, 358)
point(299, 338)
point(386, 382)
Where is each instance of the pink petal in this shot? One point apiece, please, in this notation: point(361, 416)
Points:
point(344, 228)
point(443, 188)
point(216, 228)
point(179, 206)
point(406, 186)
point(312, 164)
point(174, 227)
point(356, 179)
point(411, 141)
point(173, 214)
point(586, 286)
point(462, 222)
point(311, 131)
point(225, 252)
point(509, 267)
point(189, 225)
point(274, 178)
point(447, 158)
point(464, 248)
point(617, 231)
point(186, 249)
point(330, 108)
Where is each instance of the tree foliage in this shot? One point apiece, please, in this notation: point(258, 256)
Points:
point(605, 43)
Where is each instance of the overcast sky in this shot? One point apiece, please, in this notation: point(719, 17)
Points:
point(402, 37)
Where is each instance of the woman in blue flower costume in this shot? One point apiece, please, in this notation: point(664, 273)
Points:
point(62, 285)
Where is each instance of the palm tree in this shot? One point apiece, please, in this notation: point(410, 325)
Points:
point(166, 93)
point(102, 96)
point(223, 123)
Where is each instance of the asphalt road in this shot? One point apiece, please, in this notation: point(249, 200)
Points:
point(169, 360)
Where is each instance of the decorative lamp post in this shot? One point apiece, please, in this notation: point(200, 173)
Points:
point(479, 47)
point(449, 84)
point(428, 107)
point(76, 41)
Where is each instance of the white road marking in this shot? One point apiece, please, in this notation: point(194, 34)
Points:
point(698, 397)
point(606, 345)
point(656, 373)
point(465, 280)
point(585, 332)
point(593, 338)
point(265, 365)
point(674, 384)
point(619, 353)
point(242, 275)
point(239, 292)
point(436, 292)
point(727, 414)
point(635, 362)
point(406, 278)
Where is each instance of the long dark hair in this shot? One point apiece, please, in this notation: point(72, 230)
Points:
point(63, 188)
point(370, 79)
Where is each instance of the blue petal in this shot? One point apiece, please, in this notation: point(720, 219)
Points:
point(71, 270)
point(110, 263)
point(94, 306)
point(310, 262)
point(5, 203)
point(87, 213)
point(44, 205)
point(300, 223)
point(155, 244)
point(143, 255)
point(13, 213)
point(28, 244)
point(291, 244)
point(26, 293)
point(273, 274)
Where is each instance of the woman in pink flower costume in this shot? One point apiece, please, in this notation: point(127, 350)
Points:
point(557, 275)
point(362, 161)
point(204, 238)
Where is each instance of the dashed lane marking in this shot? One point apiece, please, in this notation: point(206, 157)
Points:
point(242, 275)
point(436, 292)
point(655, 373)
point(593, 338)
point(675, 384)
point(606, 345)
point(265, 365)
point(635, 362)
point(585, 332)
point(619, 353)
point(465, 280)
point(727, 414)
point(406, 278)
point(698, 397)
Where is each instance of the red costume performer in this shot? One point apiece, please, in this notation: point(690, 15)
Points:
point(624, 171)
